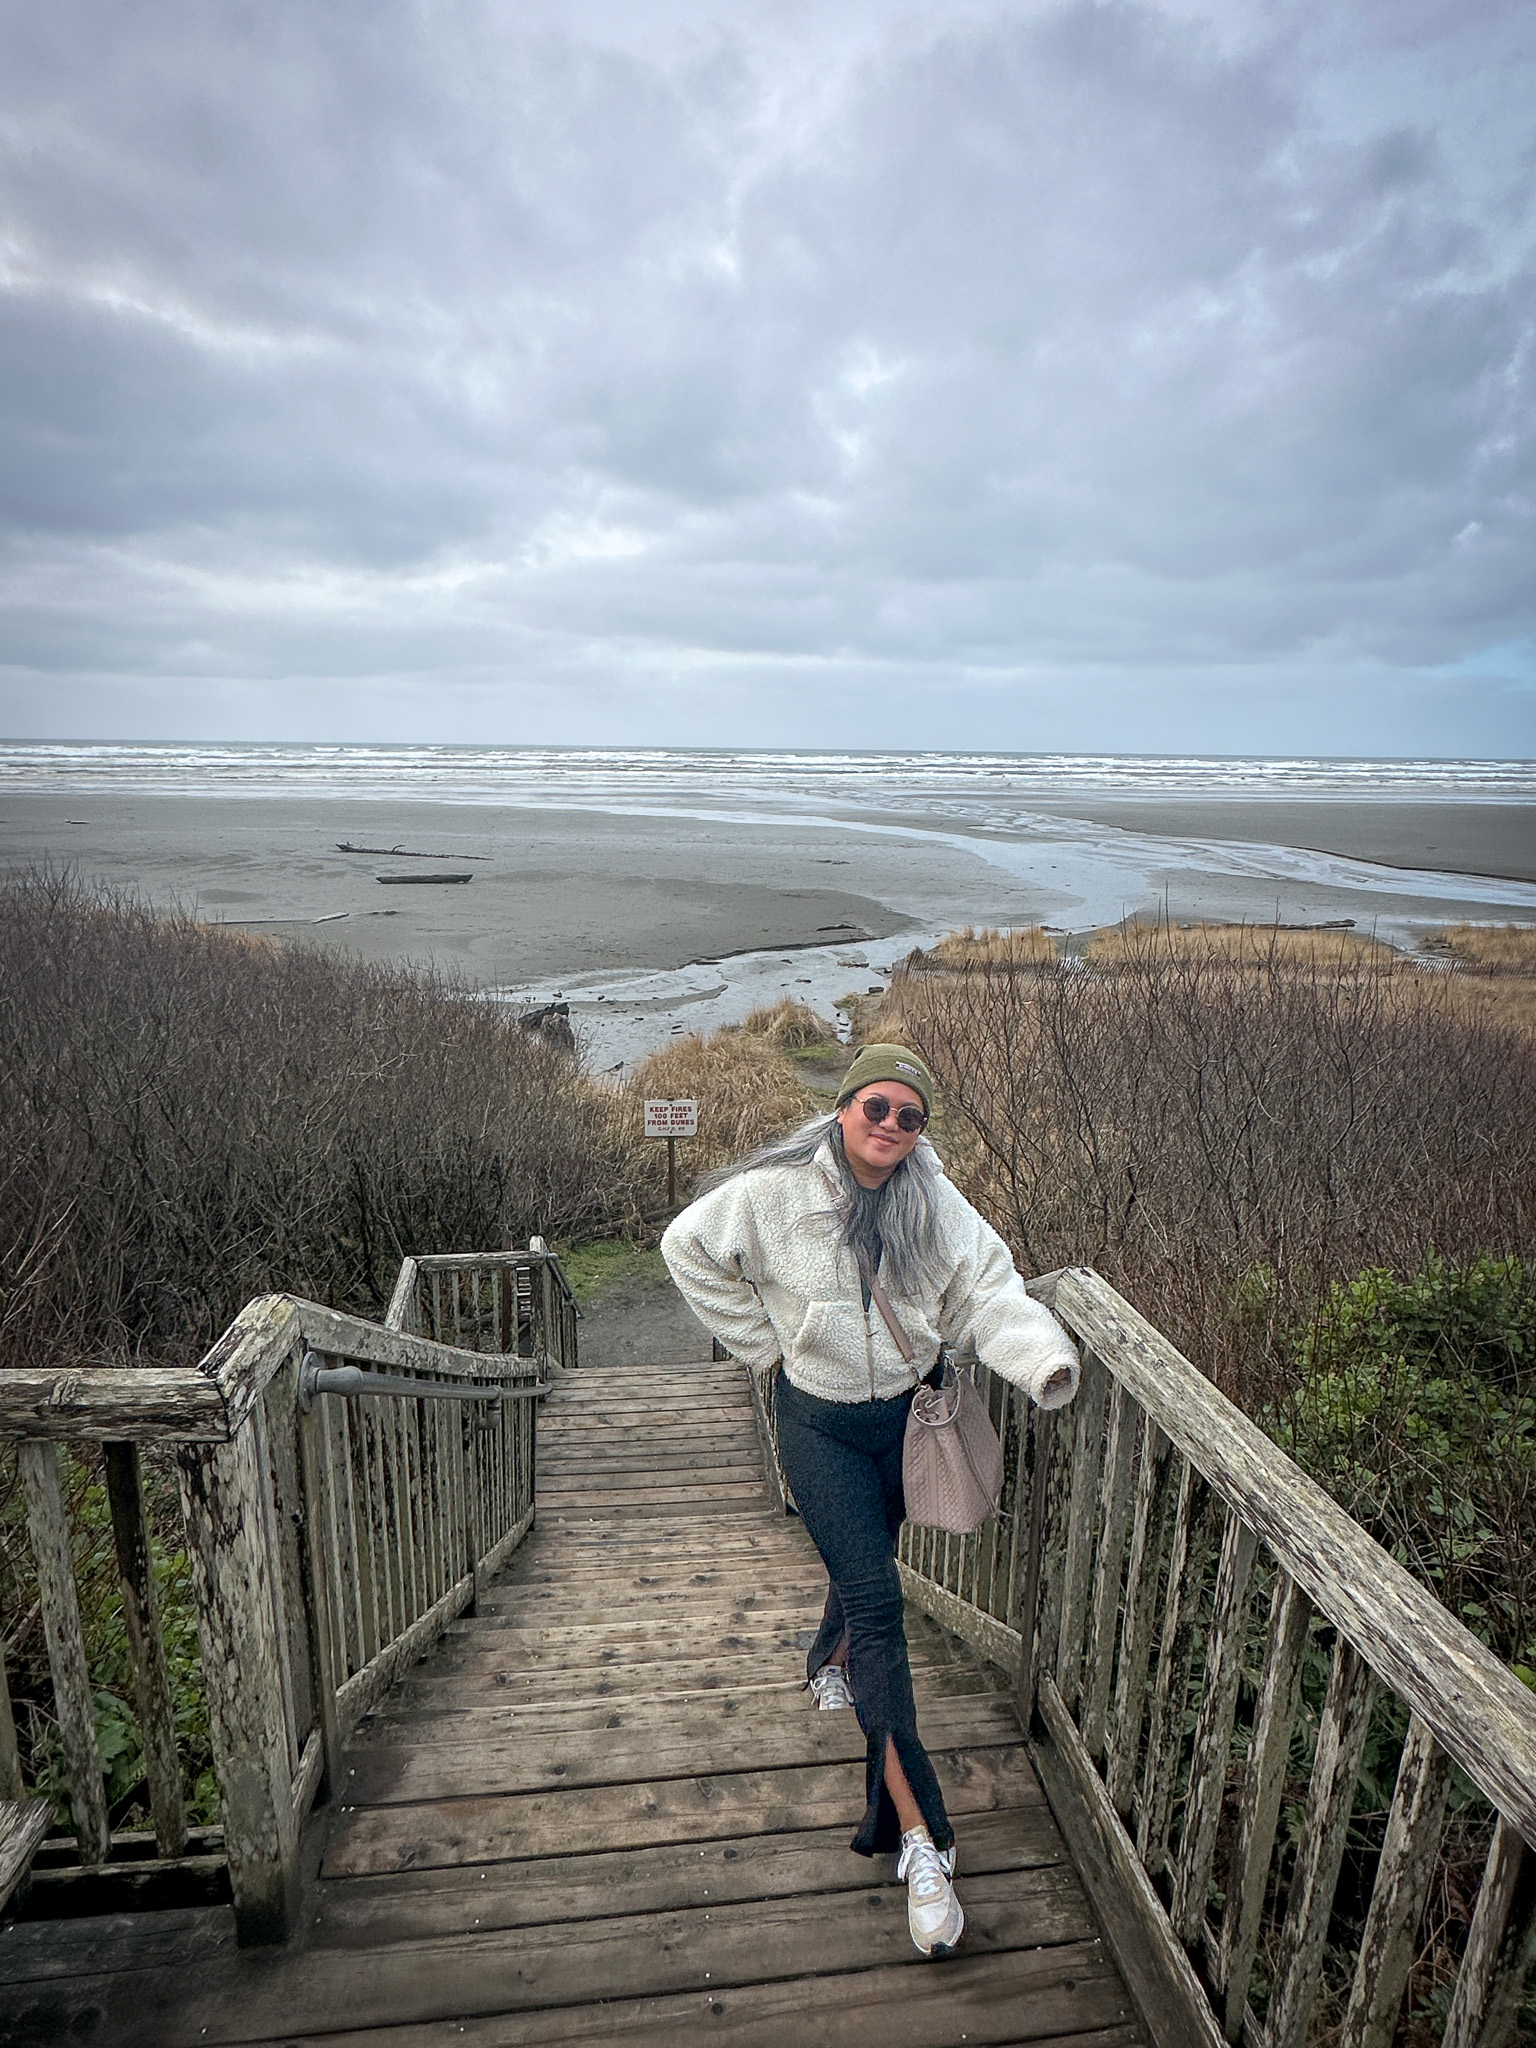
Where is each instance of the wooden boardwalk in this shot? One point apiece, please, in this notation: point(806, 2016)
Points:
point(605, 1810)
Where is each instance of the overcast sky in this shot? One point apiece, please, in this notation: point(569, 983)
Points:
point(1035, 375)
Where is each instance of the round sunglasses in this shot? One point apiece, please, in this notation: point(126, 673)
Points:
point(909, 1117)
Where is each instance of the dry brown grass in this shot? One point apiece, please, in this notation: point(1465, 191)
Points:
point(1506, 1001)
point(746, 1088)
point(792, 1026)
point(1029, 946)
point(1490, 949)
point(1238, 945)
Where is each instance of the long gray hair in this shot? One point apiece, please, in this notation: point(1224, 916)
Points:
point(895, 1226)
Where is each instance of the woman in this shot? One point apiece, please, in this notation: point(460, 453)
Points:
point(776, 1259)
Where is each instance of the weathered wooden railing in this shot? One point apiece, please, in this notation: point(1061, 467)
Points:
point(1154, 1548)
point(331, 1536)
point(512, 1302)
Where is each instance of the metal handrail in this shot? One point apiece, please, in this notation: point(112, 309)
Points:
point(315, 1378)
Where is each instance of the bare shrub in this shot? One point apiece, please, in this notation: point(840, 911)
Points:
point(190, 1117)
point(1225, 1137)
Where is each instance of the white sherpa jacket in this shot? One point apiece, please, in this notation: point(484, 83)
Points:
point(759, 1263)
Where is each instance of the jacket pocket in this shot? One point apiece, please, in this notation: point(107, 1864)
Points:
point(834, 1333)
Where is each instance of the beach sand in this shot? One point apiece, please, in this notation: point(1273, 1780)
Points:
point(553, 892)
point(652, 922)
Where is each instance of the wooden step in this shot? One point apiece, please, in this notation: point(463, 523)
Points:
point(637, 1815)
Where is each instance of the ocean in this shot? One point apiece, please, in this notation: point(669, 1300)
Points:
point(991, 789)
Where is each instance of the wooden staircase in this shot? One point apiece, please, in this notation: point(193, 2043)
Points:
point(606, 1808)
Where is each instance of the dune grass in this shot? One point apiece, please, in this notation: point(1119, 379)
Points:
point(747, 1090)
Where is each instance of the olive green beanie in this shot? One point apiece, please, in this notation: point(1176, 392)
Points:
point(888, 1063)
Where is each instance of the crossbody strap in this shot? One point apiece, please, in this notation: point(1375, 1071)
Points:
point(882, 1301)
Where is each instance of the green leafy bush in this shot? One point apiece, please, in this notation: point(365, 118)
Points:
point(106, 1644)
point(1416, 1407)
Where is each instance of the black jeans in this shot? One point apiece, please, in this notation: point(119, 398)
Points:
point(843, 1462)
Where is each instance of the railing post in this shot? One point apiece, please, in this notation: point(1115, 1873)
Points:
point(146, 1647)
point(1042, 1426)
point(1501, 1946)
point(10, 1755)
point(235, 1579)
point(321, 1622)
point(1403, 1876)
point(48, 1525)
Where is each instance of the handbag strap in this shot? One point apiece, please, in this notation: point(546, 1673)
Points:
point(882, 1301)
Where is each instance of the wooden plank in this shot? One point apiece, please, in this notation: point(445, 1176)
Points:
point(597, 1513)
point(1082, 1517)
point(1290, 1618)
point(101, 1403)
point(636, 1464)
point(23, 1824)
point(570, 1495)
point(575, 1632)
point(37, 1951)
point(674, 1678)
point(1341, 1734)
point(1213, 1733)
point(1154, 1496)
point(406, 1718)
point(1165, 1731)
point(378, 1773)
point(686, 1540)
point(1476, 1706)
point(48, 1527)
point(1158, 1974)
point(307, 1778)
point(408, 1906)
point(221, 1490)
point(1119, 1461)
point(579, 1966)
point(11, 1786)
point(401, 1313)
point(512, 1600)
point(346, 1587)
point(1501, 1947)
point(372, 1605)
point(279, 1504)
point(317, 1576)
point(1046, 1430)
point(146, 1646)
point(1409, 1852)
point(635, 1815)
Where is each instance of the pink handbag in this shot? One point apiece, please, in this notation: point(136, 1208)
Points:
point(951, 1460)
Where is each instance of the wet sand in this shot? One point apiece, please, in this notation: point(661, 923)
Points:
point(1497, 840)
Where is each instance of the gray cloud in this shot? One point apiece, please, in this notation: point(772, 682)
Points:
point(1071, 374)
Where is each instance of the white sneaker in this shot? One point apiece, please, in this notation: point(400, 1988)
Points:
point(831, 1688)
point(934, 1917)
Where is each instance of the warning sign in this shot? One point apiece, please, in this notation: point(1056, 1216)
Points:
point(678, 1118)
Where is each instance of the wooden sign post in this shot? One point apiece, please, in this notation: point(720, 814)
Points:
point(672, 1119)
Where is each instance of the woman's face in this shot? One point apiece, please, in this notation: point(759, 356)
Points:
point(876, 1150)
